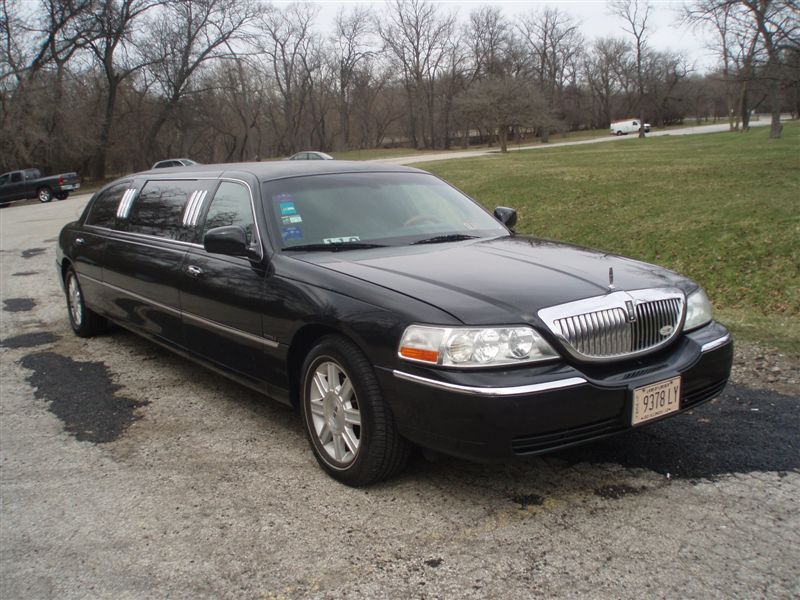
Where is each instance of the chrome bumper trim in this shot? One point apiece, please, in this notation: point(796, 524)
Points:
point(712, 345)
point(518, 390)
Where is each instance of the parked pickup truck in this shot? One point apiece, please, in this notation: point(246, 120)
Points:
point(29, 183)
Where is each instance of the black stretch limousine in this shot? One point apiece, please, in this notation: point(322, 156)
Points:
point(391, 309)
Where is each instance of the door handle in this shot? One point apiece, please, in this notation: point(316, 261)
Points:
point(194, 271)
point(80, 241)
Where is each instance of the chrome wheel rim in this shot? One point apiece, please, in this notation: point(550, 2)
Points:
point(335, 414)
point(74, 299)
point(44, 195)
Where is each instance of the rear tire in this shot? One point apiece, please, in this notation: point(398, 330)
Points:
point(62, 195)
point(45, 194)
point(84, 321)
point(351, 428)
point(619, 133)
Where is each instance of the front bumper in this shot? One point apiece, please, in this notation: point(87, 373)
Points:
point(493, 415)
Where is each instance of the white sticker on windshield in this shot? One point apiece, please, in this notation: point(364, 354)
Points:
point(340, 240)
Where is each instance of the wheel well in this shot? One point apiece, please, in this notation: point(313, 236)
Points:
point(303, 341)
point(65, 264)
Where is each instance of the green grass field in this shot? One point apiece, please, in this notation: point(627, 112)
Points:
point(721, 208)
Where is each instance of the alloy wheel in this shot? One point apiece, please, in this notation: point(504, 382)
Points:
point(335, 412)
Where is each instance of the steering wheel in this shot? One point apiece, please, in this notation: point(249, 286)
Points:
point(420, 219)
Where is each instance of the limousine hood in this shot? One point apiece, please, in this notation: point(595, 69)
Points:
point(497, 281)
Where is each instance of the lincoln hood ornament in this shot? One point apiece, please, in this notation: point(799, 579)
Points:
point(611, 285)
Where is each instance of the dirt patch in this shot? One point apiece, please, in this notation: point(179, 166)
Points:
point(742, 431)
point(29, 340)
point(615, 492)
point(525, 500)
point(18, 304)
point(31, 252)
point(82, 396)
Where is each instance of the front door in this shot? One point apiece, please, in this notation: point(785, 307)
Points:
point(222, 296)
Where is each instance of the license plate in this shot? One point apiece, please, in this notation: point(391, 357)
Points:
point(70, 186)
point(656, 400)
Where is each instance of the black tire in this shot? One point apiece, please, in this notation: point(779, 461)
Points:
point(381, 451)
point(45, 194)
point(62, 195)
point(84, 321)
point(619, 133)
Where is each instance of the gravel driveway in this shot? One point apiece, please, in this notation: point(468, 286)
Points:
point(128, 472)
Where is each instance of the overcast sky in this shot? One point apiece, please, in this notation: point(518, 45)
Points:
point(594, 17)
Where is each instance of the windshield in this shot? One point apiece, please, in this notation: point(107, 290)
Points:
point(372, 208)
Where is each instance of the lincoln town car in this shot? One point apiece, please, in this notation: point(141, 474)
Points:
point(391, 310)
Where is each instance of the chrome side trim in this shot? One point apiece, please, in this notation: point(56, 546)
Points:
point(120, 237)
point(187, 210)
point(125, 204)
point(232, 331)
point(714, 344)
point(518, 390)
point(196, 209)
point(170, 309)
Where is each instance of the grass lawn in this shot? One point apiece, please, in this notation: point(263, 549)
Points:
point(722, 208)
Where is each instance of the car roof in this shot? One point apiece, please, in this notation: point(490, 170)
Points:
point(269, 170)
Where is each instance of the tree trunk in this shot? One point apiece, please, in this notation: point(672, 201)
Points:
point(101, 151)
point(502, 134)
point(775, 108)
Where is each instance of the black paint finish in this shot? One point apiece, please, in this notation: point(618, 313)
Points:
point(253, 319)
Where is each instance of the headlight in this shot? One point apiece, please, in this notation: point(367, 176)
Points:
point(698, 310)
point(474, 346)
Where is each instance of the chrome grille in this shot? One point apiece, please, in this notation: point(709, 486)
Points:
point(601, 333)
point(651, 317)
point(618, 325)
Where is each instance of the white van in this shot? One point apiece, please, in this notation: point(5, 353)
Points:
point(626, 127)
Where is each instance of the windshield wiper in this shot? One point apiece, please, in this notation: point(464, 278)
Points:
point(450, 237)
point(334, 247)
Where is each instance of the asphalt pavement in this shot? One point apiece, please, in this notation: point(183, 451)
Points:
point(128, 472)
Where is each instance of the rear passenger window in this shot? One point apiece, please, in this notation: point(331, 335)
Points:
point(104, 210)
point(231, 206)
point(159, 208)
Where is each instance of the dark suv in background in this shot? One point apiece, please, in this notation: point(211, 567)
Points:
point(29, 183)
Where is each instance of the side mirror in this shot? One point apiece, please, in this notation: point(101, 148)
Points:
point(507, 216)
point(230, 240)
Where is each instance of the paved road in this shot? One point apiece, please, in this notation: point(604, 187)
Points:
point(128, 472)
point(409, 160)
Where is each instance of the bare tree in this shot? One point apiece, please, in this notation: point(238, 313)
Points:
point(185, 35)
point(351, 50)
point(288, 48)
point(109, 37)
point(605, 71)
point(505, 103)
point(416, 34)
point(635, 15)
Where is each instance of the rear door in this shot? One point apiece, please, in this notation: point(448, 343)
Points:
point(144, 256)
point(223, 296)
point(88, 245)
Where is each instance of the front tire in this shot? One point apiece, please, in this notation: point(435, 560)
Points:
point(350, 426)
point(84, 321)
point(45, 194)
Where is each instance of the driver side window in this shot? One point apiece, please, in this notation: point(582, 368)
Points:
point(231, 206)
